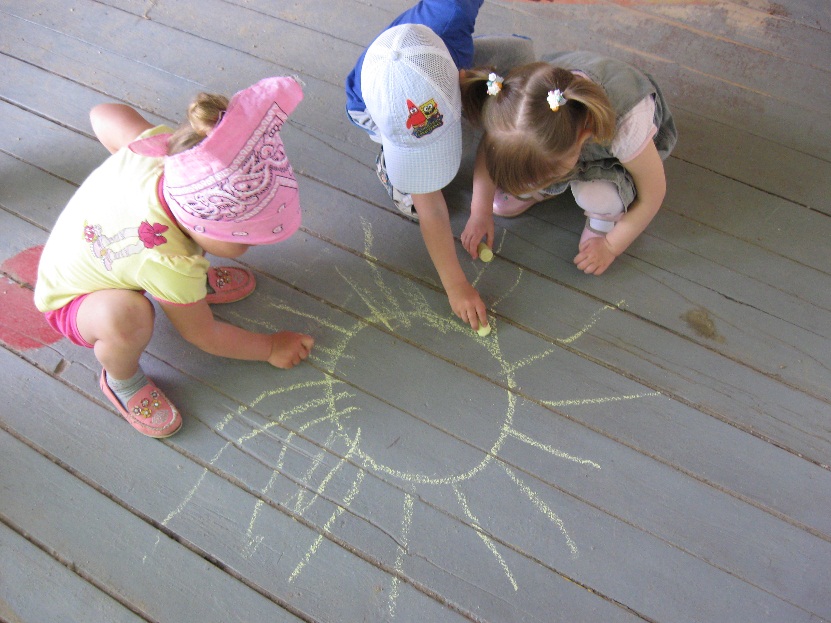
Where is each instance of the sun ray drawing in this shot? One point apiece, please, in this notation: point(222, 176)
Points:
point(347, 453)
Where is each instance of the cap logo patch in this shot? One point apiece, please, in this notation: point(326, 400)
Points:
point(423, 119)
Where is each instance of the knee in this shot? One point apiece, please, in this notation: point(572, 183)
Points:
point(598, 199)
point(130, 321)
point(139, 316)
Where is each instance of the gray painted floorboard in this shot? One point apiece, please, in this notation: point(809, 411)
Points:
point(651, 445)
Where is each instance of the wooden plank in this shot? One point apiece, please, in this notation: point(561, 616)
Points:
point(750, 321)
point(702, 89)
point(753, 160)
point(36, 587)
point(693, 452)
point(621, 548)
point(687, 80)
point(696, 375)
point(800, 176)
point(807, 12)
point(123, 553)
point(455, 422)
point(611, 298)
point(263, 542)
point(197, 507)
point(261, 39)
point(518, 566)
point(759, 279)
point(32, 89)
point(762, 30)
point(750, 215)
point(51, 146)
point(120, 49)
point(698, 394)
point(681, 70)
point(458, 420)
point(537, 426)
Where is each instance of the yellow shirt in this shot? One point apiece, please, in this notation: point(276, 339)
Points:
point(115, 234)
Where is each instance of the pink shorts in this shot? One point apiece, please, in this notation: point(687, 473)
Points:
point(65, 321)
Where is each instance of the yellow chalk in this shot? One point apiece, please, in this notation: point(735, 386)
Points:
point(484, 330)
point(485, 254)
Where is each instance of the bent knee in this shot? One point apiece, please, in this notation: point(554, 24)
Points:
point(599, 199)
point(121, 315)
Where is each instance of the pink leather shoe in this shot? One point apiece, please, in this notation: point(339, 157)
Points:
point(149, 411)
point(508, 205)
point(229, 284)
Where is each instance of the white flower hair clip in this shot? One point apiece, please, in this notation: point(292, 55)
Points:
point(494, 84)
point(555, 99)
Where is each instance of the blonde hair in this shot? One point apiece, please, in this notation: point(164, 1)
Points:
point(525, 139)
point(204, 113)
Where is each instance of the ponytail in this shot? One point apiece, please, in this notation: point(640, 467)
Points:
point(600, 117)
point(474, 93)
point(203, 114)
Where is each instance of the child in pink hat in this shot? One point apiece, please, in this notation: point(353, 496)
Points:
point(142, 222)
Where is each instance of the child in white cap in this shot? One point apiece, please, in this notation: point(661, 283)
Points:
point(142, 222)
point(404, 91)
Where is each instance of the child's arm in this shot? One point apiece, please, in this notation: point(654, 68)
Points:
point(647, 170)
point(117, 125)
point(196, 323)
point(435, 228)
point(480, 222)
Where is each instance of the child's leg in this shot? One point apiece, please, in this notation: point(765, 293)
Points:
point(119, 325)
point(507, 205)
point(602, 204)
point(402, 201)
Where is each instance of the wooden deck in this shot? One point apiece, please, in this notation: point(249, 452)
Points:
point(650, 445)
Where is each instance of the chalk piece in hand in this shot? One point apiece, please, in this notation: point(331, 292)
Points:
point(485, 254)
point(484, 330)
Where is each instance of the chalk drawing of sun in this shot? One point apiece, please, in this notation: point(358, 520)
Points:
point(333, 411)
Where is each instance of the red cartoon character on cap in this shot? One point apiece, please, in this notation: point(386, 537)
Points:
point(416, 117)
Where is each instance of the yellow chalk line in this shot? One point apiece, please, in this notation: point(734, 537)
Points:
point(406, 523)
point(542, 507)
point(551, 450)
point(485, 538)
point(594, 401)
point(347, 500)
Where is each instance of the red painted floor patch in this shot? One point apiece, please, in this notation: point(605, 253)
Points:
point(22, 326)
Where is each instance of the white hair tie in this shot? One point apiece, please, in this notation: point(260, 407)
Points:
point(555, 99)
point(494, 84)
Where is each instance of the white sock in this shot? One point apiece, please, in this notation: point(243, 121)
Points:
point(601, 225)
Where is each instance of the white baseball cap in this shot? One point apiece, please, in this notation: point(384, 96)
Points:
point(410, 86)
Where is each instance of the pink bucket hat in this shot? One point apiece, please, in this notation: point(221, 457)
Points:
point(237, 185)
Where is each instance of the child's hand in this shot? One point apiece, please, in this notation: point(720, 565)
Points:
point(467, 305)
point(289, 348)
point(478, 226)
point(595, 256)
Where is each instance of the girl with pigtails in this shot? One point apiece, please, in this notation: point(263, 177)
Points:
point(575, 120)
